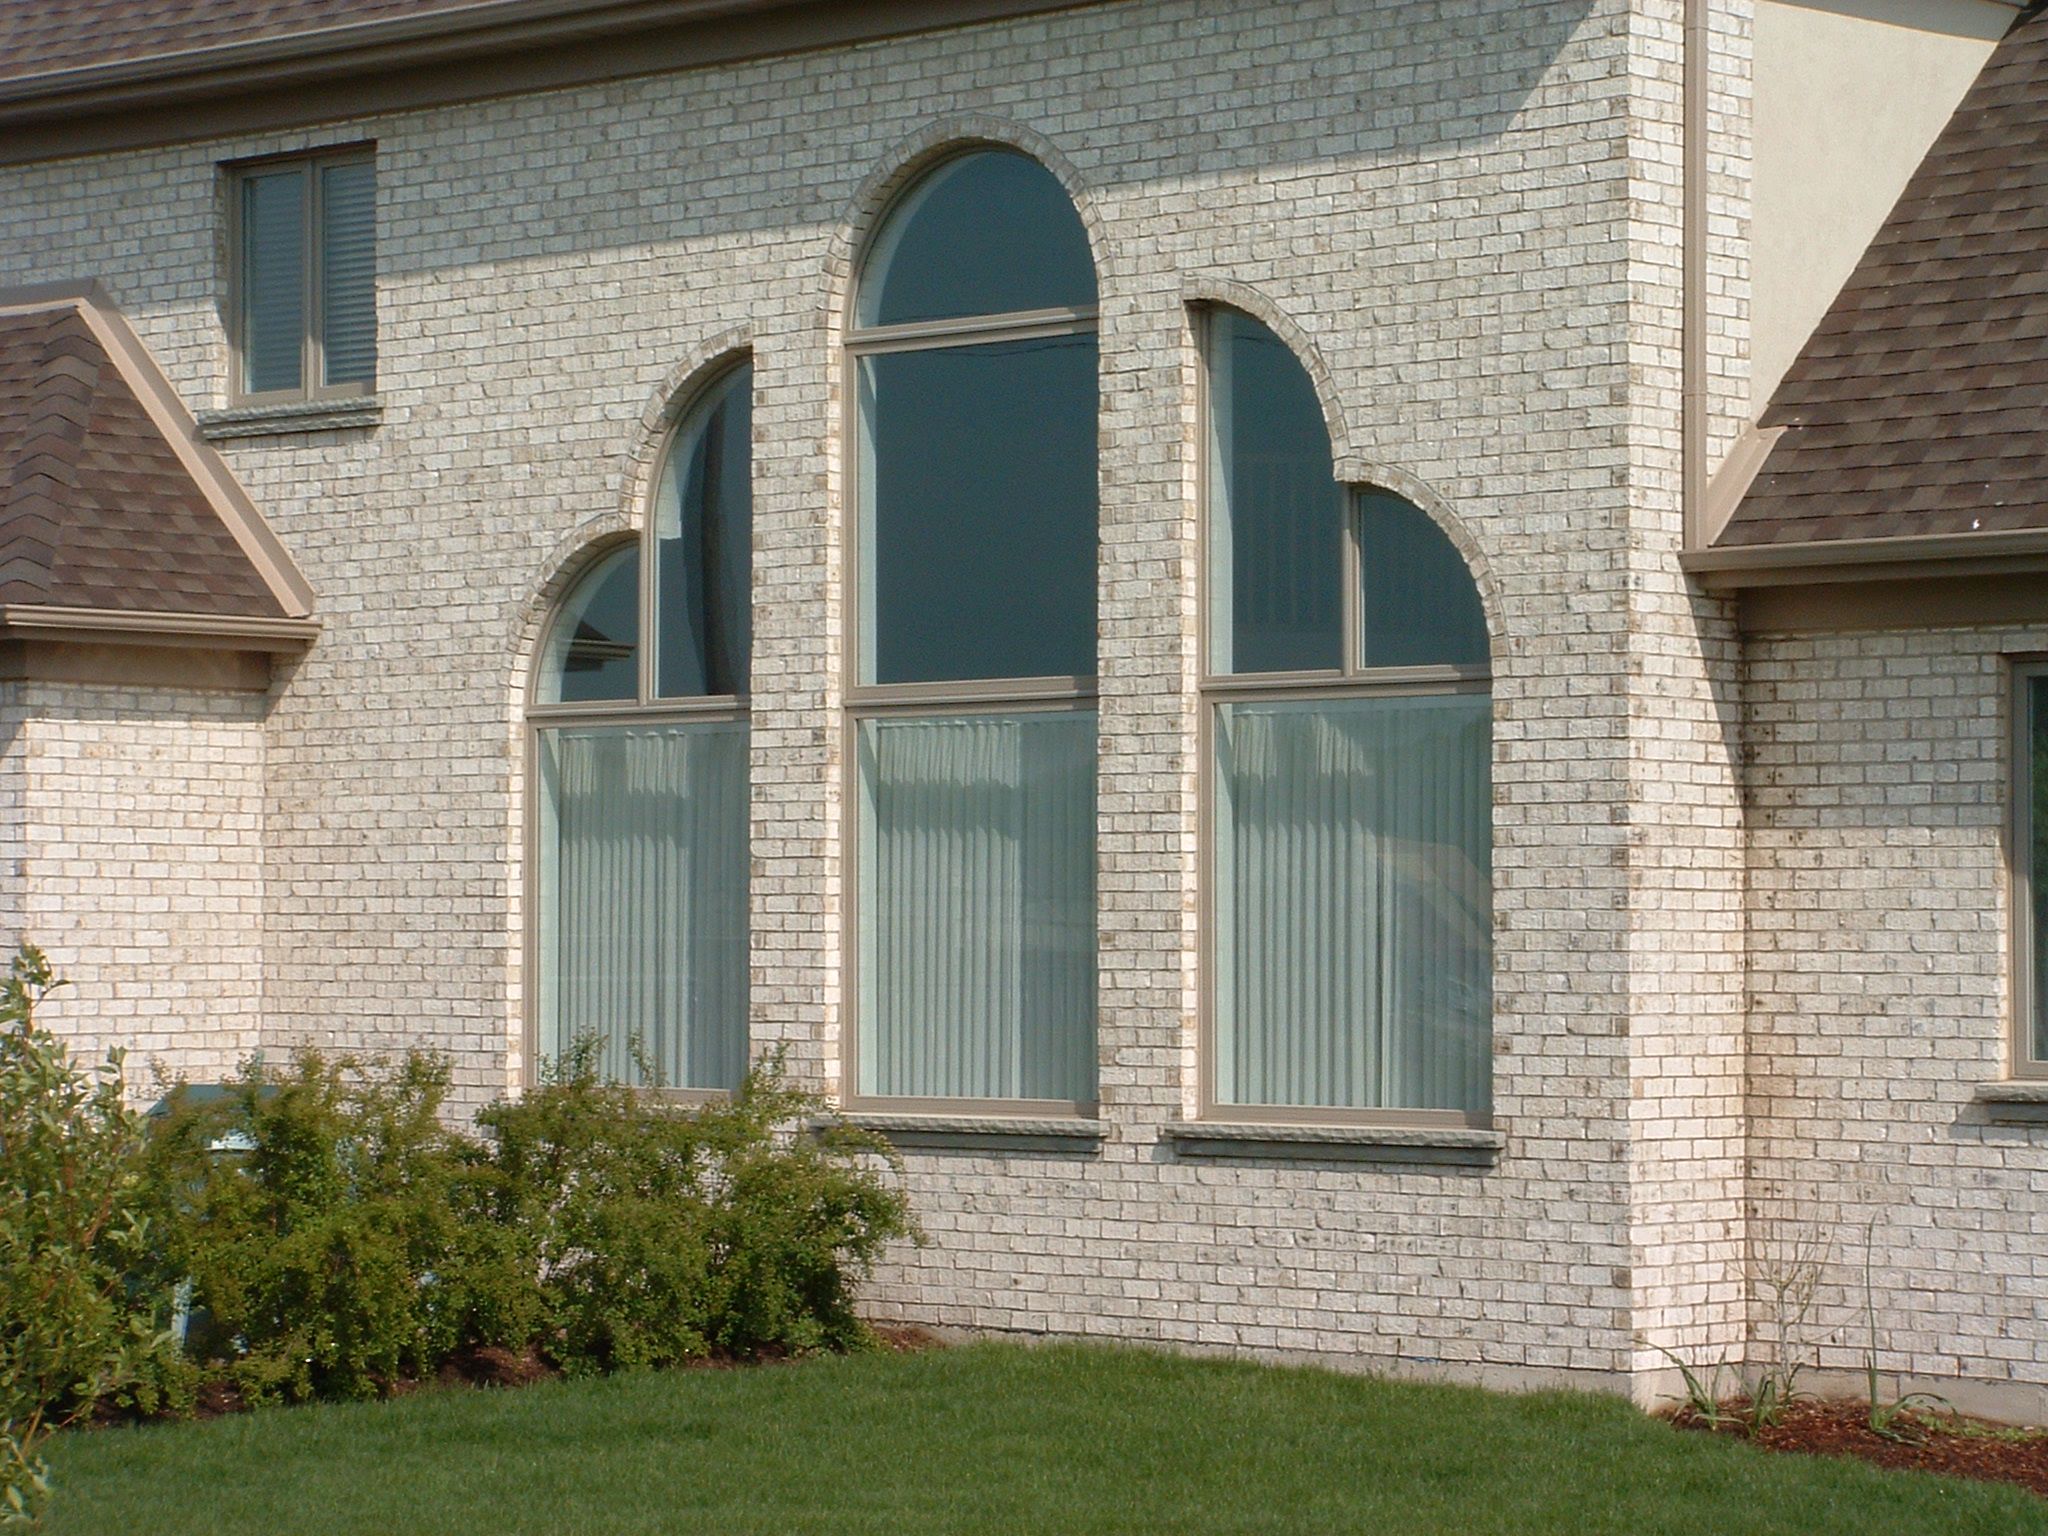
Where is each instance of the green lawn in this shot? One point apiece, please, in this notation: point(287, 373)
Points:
point(992, 1438)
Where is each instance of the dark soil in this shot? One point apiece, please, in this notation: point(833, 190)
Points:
point(1926, 1441)
point(492, 1366)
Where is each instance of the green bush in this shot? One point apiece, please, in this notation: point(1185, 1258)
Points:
point(74, 1331)
point(661, 1233)
point(338, 1238)
point(325, 1221)
point(321, 1232)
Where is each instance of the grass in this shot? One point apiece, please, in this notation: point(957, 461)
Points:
point(986, 1439)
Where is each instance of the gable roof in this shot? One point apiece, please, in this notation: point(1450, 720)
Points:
point(114, 514)
point(1918, 410)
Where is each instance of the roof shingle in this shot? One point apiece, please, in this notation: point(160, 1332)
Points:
point(43, 36)
point(97, 510)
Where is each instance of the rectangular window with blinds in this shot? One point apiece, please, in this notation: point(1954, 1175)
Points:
point(304, 277)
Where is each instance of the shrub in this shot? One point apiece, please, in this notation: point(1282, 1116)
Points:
point(662, 1233)
point(339, 1238)
point(74, 1331)
point(323, 1219)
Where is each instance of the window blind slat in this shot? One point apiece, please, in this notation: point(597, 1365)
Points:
point(273, 280)
point(348, 251)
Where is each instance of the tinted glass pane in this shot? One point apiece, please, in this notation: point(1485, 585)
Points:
point(703, 537)
point(348, 283)
point(1419, 605)
point(978, 481)
point(1276, 512)
point(273, 279)
point(592, 650)
point(2037, 712)
point(1354, 951)
point(985, 234)
point(977, 907)
point(642, 931)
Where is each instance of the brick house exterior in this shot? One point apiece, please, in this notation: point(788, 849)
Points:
point(1753, 932)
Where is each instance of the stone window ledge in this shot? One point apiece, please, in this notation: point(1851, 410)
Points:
point(2015, 1102)
point(1410, 1145)
point(983, 1133)
point(298, 416)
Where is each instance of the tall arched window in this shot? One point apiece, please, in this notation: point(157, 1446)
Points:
point(640, 762)
point(1349, 716)
point(972, 703)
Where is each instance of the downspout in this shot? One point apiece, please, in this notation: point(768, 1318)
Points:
point(1692, 424)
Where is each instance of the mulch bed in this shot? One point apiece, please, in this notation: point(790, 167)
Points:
point(1927, 1441)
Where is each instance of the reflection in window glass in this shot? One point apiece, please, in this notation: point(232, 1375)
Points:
point(988, 233)
point(2037, 730)
point(1276, 511)
point(703, 533)
point(1419, 606)
point(593, 651)
point(977, 901)
point(642, 899)
point(1354, 962)
point(978, 482)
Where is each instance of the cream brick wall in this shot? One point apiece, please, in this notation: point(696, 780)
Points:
point(131, 850)
point(1470, 220)
point(1878, 799)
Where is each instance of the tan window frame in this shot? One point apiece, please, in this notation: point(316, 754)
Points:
point(867, 701)
point(1351, 680)
point(2026, 962)
point(646, 708)
point(312, 358)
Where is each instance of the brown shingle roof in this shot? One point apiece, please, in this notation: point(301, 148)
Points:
point(41, 36)
point(1920, 404)
point(99, 509)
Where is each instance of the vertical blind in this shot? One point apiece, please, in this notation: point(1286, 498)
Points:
point(1353, 950)
point(977, 893)
point(348, 261)
point(642, 918)
point(273, 279)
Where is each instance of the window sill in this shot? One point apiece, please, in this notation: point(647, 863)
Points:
point(337, 415)
point(2021, 1102)
point(1410, 1145)
point(983, 1133)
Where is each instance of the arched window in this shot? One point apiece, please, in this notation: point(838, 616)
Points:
point(974, 362)
point(1349, 720)
point(640, 762)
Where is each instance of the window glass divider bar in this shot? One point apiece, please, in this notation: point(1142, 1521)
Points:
point(1021, 690)
point(626, 712)
point(1383, 680)
point(1030, 322)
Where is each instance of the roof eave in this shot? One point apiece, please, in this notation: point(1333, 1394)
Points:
point(394, 42)
point(1736, 568)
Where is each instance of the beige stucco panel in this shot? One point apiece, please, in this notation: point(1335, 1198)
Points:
point(1848, 98)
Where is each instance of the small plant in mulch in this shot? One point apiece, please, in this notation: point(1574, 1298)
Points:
point(1910, 1438)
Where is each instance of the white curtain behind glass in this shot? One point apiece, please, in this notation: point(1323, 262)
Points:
point(977, 967)
point(643, 897)
point(1353, 903)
